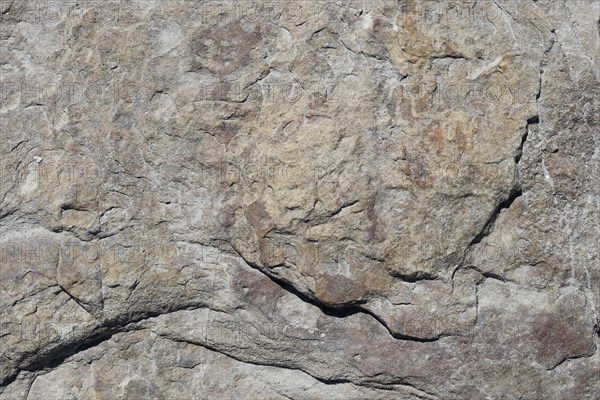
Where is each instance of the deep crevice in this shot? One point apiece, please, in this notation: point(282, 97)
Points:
point(338, 311)
point(570, 358)
point(514, 194)
point(57, 355)
point(491, 275)
point(516, 191)
point(448, 56)
point(413, 278)
point(535, 120)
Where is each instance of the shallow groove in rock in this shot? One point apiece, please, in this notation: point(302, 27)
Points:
point(326, 381)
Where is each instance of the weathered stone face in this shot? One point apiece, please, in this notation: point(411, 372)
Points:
point(305, 199)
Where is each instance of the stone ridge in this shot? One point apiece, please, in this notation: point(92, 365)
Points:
point(299, 200)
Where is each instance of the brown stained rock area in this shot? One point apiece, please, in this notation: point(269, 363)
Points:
point(306, 199)
point(224, 49)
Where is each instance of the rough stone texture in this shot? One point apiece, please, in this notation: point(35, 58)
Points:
point(304, 200)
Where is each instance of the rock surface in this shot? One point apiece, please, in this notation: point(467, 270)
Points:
point(305, 200)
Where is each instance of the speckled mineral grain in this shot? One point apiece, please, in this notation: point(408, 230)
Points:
point(378, 199)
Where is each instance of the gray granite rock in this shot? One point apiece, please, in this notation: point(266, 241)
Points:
point(308, 199)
